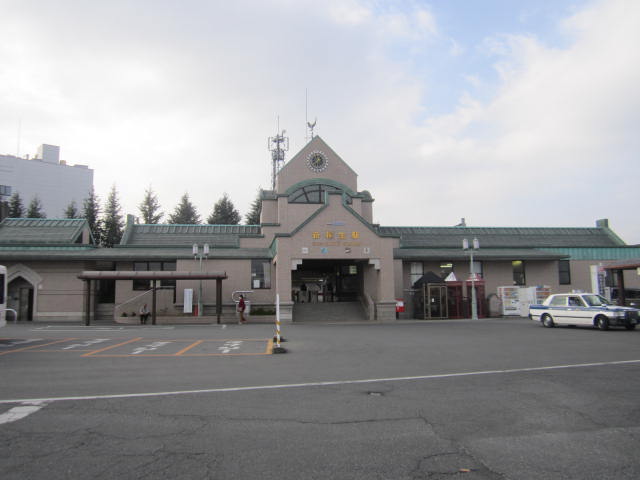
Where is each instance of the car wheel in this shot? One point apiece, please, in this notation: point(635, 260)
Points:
point(602, 322)
point(630, 326)
point(547, 321)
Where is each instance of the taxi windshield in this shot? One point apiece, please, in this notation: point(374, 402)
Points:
point(595, 300)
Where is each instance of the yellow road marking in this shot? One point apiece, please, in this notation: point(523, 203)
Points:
point(269, 349)
point(188, 348)
point(93, 352)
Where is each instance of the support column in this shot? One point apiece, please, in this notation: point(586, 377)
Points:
point(218, 298)
point(87, 302)
point(153, 303)
point(621, 297)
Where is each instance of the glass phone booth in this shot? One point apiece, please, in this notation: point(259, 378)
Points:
point(435, 301)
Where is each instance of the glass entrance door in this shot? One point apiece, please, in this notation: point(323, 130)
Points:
point(435, 304)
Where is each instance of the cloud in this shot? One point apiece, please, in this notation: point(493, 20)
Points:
point(556, 144)
point(183, 97)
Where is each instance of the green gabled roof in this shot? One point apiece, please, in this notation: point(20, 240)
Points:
point(91, 253)
point(167, 235)
point(42, 231)
point(504, 237)
point(494, 254)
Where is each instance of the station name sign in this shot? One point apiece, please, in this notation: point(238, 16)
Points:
point(330, 238)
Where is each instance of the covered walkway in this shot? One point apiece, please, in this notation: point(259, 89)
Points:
point(618, 269)
point(89, 276)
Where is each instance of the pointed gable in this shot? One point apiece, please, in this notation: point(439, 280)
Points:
point(326, 165)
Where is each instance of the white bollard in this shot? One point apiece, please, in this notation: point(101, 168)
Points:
point(278, 348)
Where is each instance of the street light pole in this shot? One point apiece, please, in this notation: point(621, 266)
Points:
point(196, 254)
point(474, 303)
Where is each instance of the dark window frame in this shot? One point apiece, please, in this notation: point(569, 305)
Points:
point(258, 273)
point(564, 272)
point(143, 285)
point(519, 272)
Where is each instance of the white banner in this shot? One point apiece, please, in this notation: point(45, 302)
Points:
point(188, 300)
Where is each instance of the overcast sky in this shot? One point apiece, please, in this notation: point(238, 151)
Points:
point(507, 113)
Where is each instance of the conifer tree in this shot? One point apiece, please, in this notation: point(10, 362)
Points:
point(185, 213)
point(224, 213)
point(112, 223)
point(72, 210)
point(35, 208)
point(91, 212)
point(16, 208)
point(253, 217)
point(149, 207)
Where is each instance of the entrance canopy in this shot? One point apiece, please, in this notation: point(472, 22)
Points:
point(90, 275)
point(618, 269)
point(150, 275)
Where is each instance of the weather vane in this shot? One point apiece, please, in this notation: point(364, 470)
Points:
point(311, 126)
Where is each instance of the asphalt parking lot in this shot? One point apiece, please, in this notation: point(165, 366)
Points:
point(491, 399)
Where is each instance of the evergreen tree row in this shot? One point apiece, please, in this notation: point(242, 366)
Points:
point(109, 228)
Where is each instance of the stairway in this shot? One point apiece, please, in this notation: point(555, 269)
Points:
point(104, 313)
point(330, 312)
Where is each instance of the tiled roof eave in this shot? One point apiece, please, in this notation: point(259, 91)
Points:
point(479, 255)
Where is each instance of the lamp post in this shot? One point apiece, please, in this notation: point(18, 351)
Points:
point(475, 245)
point(197, 254)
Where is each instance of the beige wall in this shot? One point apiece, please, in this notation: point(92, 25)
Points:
point(297, 170)
point(58, 293)
point(239, 278)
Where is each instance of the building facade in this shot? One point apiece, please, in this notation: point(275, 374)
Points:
point(316, 249)
point(54, 182)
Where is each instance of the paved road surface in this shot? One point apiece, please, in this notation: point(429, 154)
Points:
point(492, 399)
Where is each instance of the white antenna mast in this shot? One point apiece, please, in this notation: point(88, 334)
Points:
point(19, 135)
point(277, 146)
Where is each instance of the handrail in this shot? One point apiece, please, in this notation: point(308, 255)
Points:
point(239, 292)
point(132, 299)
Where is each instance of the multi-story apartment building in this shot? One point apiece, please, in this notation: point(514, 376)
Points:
point(52, 180)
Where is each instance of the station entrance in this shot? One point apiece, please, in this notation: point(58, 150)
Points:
point(327, 281)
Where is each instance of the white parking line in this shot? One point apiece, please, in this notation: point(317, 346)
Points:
point(321, 384)
point(17, 413)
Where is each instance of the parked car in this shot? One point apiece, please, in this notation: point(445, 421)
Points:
point(586, 309)
point(631, 296)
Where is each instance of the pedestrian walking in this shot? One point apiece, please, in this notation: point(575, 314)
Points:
point(241, 308)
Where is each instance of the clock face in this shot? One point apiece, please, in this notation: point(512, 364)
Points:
point(317, 161)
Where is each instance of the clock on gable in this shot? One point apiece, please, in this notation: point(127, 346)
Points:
point(317, 161)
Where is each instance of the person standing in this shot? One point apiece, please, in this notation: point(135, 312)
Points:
point(144, 314)
point(241, 308)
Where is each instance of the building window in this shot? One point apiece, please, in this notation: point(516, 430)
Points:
point(417, 271)
point(313, 194)
point(5, 190)
point(154, 267)
point(260, 273)
point(518, 272)
point(564, 272)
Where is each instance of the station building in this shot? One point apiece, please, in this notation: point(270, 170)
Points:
point(316, 249)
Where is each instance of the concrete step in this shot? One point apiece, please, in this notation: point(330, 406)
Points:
point(104, 312)
point(329, 312)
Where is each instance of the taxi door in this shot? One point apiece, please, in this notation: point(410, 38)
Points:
point(577, 311)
